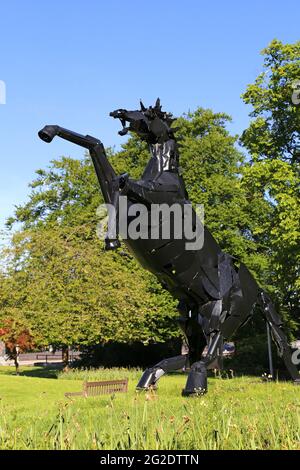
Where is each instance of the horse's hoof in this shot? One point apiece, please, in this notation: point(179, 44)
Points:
point(199, 392)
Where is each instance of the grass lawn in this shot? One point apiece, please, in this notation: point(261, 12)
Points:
point(239, 413)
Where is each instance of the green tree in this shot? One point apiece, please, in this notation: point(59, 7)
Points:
point(273, 172)
point(212, 168)
point(17, 338)
point(71, 293)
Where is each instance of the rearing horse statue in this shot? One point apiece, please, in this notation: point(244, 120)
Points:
point(216, 293)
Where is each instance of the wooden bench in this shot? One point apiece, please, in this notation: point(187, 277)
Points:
point(91, 389)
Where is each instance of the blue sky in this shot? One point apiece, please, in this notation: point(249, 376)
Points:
point(72, 62)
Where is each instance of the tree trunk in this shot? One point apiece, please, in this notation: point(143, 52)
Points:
point(65, 357)
point(16, 360)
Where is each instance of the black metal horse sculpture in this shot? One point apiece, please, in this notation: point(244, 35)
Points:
point(216, 293)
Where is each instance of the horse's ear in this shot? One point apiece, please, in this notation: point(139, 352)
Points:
point(143, 108)
point(157, 104)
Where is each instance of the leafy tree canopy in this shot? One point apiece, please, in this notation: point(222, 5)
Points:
point(273, 172)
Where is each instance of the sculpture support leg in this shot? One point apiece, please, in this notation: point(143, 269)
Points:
point(153, 374)
point(279, 337)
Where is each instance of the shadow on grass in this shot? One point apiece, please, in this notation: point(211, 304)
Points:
point(37, 372)
point(42, 372)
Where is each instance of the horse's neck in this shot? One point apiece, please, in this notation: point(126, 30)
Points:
point(164, 157)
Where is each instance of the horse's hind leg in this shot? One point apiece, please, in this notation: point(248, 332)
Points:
point(153, 374)
point(279, 337)
point(196, 342)
point(197, 379)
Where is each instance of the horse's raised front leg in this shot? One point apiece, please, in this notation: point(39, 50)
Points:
point(108, 180)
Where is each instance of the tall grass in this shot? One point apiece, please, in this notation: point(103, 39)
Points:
point(239, 413)
point(91, 374)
